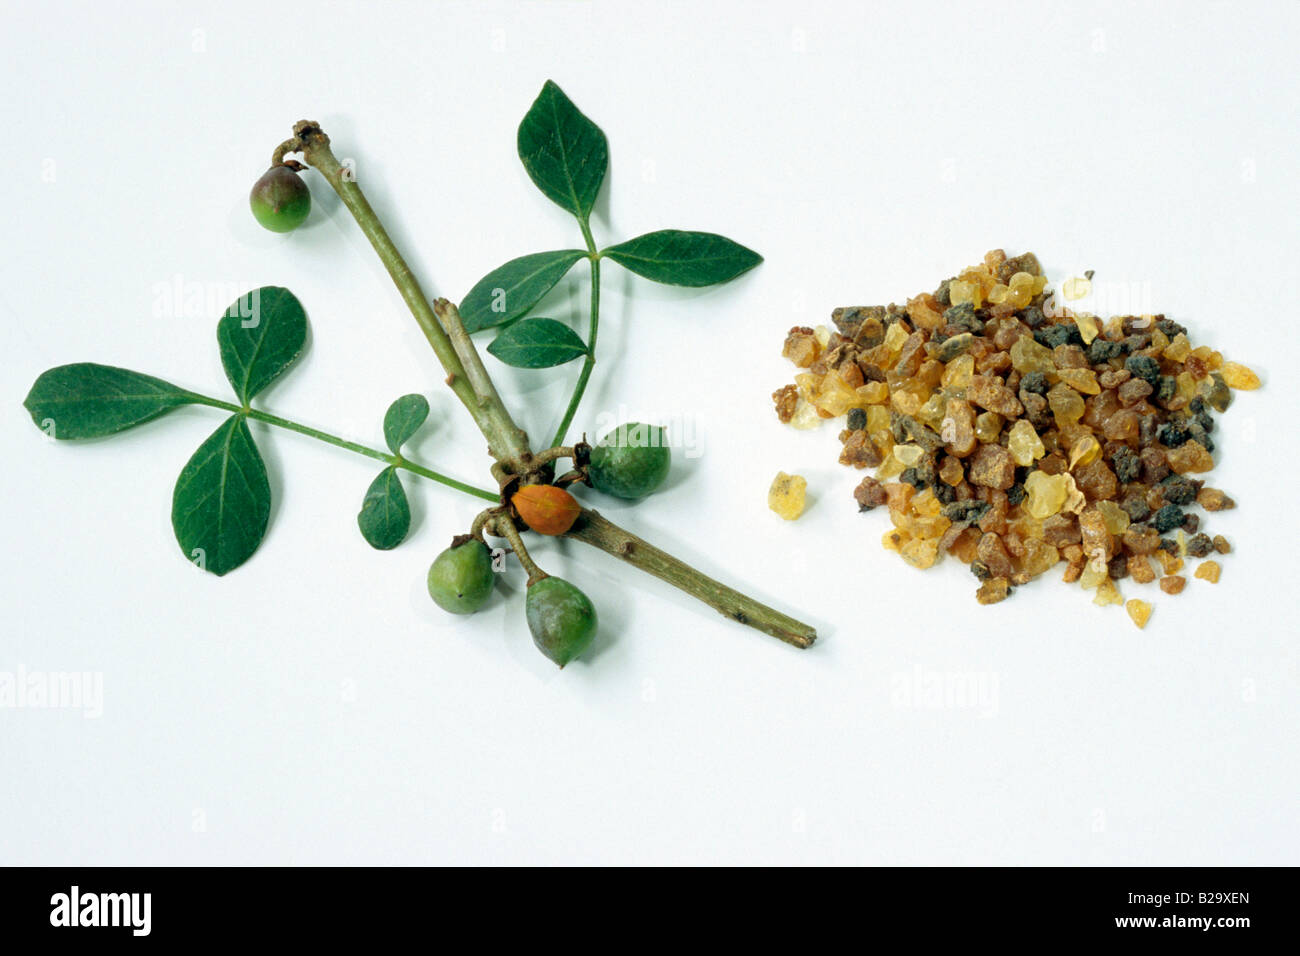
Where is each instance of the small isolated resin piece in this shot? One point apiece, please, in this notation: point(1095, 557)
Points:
point(1007, 431)
point(1107, 593)
point(1139, 611)
point(1238, 376)
point(869, 494)
point(1075, 288)
point(787, 494)
point(1208, 571)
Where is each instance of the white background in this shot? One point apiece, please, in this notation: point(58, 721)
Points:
point(315, 707)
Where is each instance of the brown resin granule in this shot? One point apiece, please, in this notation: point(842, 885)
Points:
point(1017, 436)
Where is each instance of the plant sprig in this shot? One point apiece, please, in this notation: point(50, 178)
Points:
point(222, 500)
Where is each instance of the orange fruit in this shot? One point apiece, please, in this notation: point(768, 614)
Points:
point(546, 509)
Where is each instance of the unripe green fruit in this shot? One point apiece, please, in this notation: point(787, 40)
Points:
point(461, 578)
point(561, 618)
point(631, 461)
point(280, 200)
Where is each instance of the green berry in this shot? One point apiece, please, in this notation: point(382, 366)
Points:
point(461, 578)
point(280, 199)
point(631, 461)
point(561, 618)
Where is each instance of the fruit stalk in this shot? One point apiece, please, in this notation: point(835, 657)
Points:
point(594, 529)
point(503, 527)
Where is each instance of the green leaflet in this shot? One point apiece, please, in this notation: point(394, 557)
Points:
point(684, 258)
point(260, 335)
point(385, 516)
point(564, 152)
point(222, 500)
point(538, 343)
point(403, 419)
point(86, 400)
point(509, 291)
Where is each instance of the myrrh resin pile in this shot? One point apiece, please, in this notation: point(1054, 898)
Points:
point(1014, 434)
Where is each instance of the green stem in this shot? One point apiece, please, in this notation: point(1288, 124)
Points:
point(590, 361)
point(397, 461)
point(505, 528)
point(585, 225)
point(506, 440)
point(594, 529)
